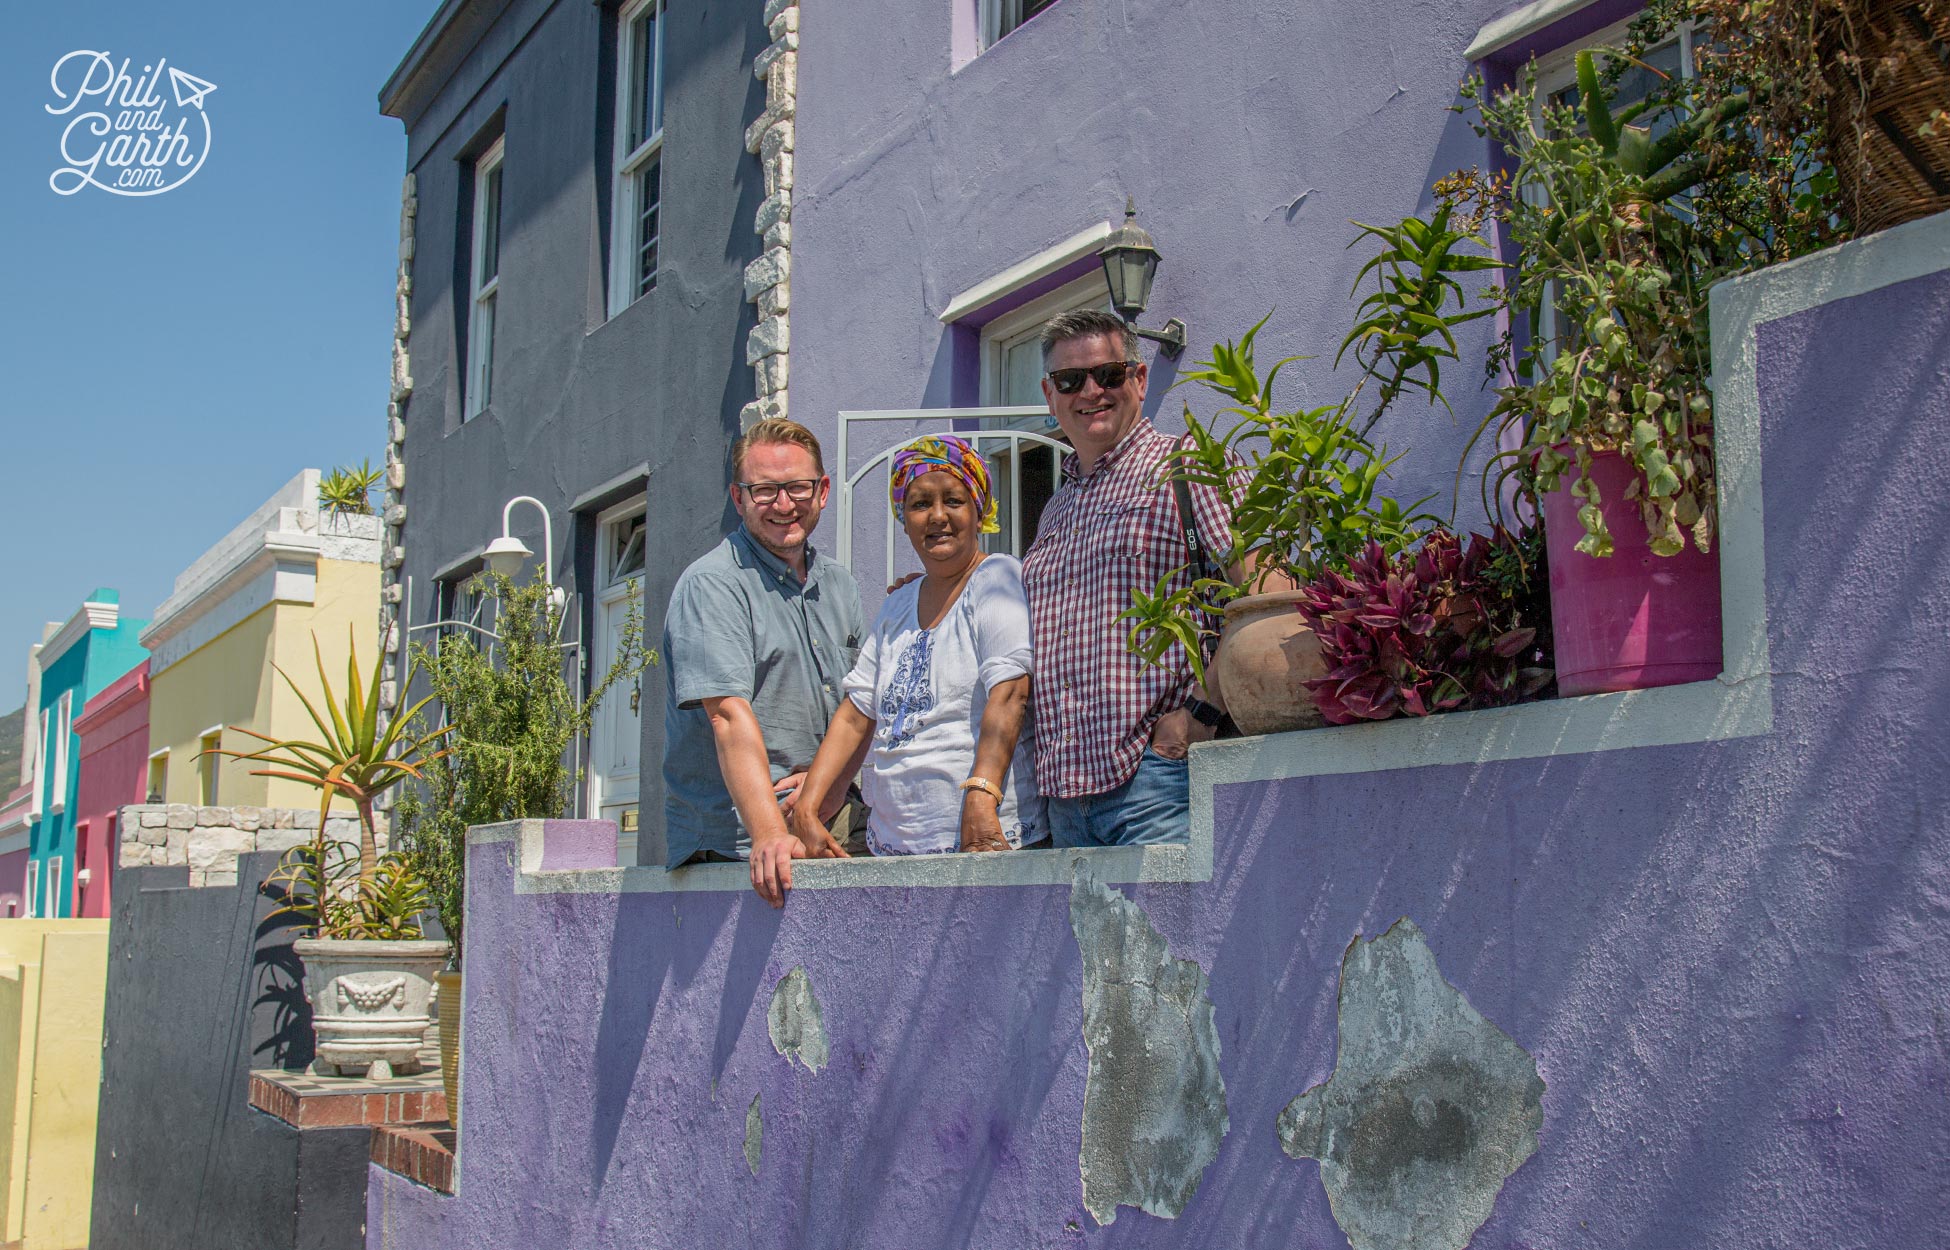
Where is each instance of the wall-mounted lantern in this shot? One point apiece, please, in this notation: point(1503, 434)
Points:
point(1130, 263)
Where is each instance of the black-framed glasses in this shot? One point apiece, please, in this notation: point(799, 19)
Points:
point(1110, 376)
point(764, 494)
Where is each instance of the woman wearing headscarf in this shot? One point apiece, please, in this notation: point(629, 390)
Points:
point(939, 699)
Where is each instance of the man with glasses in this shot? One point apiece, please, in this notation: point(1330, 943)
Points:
point(1111, 731)
point(760, 633)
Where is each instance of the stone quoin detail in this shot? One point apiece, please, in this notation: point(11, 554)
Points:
point(768, 280)
point(391, 585)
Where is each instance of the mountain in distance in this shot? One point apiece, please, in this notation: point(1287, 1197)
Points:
point(10, 737)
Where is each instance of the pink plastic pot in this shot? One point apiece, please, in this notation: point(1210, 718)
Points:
point(1632, 620)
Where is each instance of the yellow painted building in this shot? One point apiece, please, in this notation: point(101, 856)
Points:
point(53, 975)
point(257, 598)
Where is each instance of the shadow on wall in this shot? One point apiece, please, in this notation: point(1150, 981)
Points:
point(277, 980)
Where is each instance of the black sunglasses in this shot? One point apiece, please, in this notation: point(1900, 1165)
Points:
point(1109, 376)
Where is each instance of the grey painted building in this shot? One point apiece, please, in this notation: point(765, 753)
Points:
point(573, 320)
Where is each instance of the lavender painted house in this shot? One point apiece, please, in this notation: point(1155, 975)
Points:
point(1670, 975)
point(1648, 970)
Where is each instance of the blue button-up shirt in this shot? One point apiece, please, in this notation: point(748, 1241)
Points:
point(742, 625)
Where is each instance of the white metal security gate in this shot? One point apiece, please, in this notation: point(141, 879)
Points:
point(998, 437)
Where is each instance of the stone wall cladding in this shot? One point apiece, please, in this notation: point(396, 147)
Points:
point(394, 514)
point(208, 840)
point(768, 280)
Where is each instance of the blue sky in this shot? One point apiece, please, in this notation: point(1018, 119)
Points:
point(167, 362)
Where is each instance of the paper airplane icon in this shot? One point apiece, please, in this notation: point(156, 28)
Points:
point(189, 89)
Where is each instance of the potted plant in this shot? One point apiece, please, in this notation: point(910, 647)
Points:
point(1443, 627)
point(347, 491)
point(1307, 480)
point(1849, 103)
point(1608, 426)
point(368, 969)
point(510, 720)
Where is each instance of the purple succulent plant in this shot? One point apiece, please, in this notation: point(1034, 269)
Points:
point(1421, 632)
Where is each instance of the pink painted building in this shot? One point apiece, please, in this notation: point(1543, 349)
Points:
point(15, 827)
point(113, 730)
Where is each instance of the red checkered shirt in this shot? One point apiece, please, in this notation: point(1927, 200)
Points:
point(1095, 702)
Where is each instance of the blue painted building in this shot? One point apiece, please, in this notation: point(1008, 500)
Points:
point(94, 647)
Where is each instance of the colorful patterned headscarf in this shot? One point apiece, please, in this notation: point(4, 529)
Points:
point(925, 455)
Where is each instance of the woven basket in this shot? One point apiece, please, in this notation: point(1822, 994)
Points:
point(1889, 173)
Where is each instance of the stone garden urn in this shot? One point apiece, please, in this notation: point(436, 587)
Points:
point(370, 1003)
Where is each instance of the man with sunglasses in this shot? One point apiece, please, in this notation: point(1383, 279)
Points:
point(760, 634)
point(1111, 731)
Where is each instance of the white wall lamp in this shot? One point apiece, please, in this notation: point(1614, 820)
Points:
point(506, 554)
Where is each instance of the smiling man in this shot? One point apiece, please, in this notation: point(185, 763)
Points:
point(760, 634)
point(1111, 731)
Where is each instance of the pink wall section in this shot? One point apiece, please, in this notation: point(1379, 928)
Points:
point(114, 734)
point(13, 883)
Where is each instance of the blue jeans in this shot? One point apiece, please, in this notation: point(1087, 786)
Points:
point(1153, 806)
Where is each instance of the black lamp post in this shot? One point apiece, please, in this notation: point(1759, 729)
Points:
point(1130, 263)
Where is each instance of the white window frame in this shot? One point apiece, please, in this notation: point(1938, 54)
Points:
point(632, 159)
point(54, 900)
point(33, 889)
point(57, 754)
point(38, 805)
point(209, 772)
point(1019, 325)
point(612, 591)
point(1555, 71)
point(999, 17)
point(458, 598)
point(158, 776)
point(1013, 329)
point(485, 288)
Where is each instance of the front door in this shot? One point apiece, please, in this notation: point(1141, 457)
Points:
point(616, 734)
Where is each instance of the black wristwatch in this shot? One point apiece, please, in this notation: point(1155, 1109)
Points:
point(1204, 713)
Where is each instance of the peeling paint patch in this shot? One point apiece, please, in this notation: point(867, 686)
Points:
point(1154, 1104)
point(754, 1134)
point(797, 1026)
point(1430, 1108)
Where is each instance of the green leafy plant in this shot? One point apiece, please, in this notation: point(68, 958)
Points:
point(1406, 330)
point(1307, 496)
point(1833, 84)
point(355, 758)
point(510, 719)
point(320, 884)
point(347, 491)
point(1419, 632)
point(1593, 218)
point(1306, 481)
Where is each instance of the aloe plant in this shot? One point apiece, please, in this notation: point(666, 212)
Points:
point(354, 757)
point(347, 490)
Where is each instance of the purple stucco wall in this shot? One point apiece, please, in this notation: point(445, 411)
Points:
point(1729, 959)
point(1250, 136)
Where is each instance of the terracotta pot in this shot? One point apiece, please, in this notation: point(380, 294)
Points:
point(369, 1003)
point(1265, 653)
point(449, 983)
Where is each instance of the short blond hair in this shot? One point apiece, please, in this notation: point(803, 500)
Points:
point(775, 430)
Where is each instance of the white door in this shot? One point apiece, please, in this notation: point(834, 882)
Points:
point(616, 735)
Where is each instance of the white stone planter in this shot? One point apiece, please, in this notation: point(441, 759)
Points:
point(369, 1003)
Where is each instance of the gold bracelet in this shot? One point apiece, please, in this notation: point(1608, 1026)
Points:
point(985, 785)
